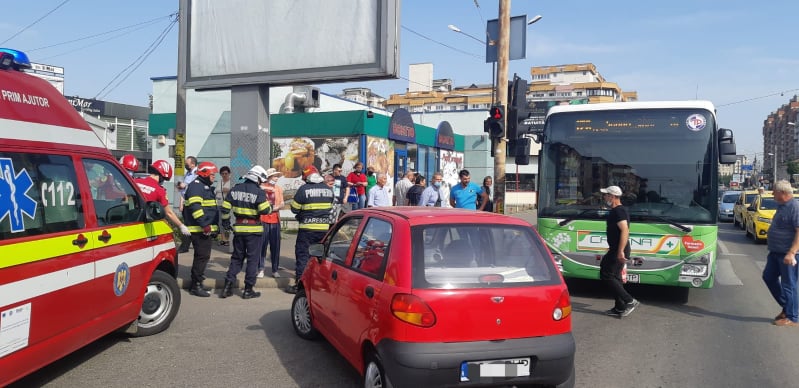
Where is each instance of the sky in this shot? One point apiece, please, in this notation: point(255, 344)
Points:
point(741, 55)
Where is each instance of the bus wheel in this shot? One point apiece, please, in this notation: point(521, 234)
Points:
point(160, 306)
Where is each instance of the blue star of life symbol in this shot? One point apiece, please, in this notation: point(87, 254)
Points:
point(14, 198)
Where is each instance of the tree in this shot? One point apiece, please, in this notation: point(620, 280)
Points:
point(725, 179)
point(793, 167)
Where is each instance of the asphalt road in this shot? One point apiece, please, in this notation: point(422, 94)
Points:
point(721, 337)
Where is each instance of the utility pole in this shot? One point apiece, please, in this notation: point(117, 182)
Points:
point(503, 56)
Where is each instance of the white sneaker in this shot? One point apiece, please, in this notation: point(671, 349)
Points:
point(275, 274)
point(260, 274)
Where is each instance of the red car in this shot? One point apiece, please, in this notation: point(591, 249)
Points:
point(438, 297)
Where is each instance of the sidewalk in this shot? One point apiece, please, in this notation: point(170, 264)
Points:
point(220, 260)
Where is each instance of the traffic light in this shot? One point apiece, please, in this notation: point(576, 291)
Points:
point(522, 151)
point(494, 125)
point(519, 110)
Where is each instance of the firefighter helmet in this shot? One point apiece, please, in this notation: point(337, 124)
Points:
point(162, 168)
point(206, 169)
point(256, 174)
point(129, 162)
point(311, 174)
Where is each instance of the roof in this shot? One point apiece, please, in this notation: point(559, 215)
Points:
point(418, 215)
point(689, 104)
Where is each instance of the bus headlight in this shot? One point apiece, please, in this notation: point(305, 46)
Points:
point(693, 270)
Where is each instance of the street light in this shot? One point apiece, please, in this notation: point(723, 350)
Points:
point(534, 19)
point(458, 30)
point(774, 154)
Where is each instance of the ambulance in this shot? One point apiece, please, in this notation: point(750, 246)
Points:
point(81, 253)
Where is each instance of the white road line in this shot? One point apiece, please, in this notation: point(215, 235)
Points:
point(725, 275)
point(726, 251)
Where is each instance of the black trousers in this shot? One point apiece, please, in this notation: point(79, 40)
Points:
point(202, 253)
point(246, 246)
point(610, 273)
point(304, 240)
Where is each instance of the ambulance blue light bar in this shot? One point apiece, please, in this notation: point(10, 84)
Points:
point(14, 59)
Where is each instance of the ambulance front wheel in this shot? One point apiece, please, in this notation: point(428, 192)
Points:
point(160, 305)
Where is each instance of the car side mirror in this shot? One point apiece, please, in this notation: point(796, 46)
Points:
point(318, 251)
point(155, 211)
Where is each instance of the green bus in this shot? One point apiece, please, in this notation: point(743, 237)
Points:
point(664, 156)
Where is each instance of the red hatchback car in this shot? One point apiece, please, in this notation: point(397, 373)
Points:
point(419, 297)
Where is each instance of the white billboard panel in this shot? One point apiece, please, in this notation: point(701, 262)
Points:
point(241, 42)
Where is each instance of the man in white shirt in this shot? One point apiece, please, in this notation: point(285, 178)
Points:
point(380, 194)
point(401, 189)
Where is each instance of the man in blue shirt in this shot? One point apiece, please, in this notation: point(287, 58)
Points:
point(431, 196)
point(464, 195)
point(379, 195)
point(781, 272)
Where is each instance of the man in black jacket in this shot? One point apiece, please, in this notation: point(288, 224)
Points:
point(201, 216)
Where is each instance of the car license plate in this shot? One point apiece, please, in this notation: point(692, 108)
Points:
point(632, 278)
point(511, 367)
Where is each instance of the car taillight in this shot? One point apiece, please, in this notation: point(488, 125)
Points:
point(563, 308)
point(412, 309)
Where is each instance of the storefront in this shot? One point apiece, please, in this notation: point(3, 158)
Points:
point(391, 145)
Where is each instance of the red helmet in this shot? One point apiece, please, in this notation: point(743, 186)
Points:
point(310, 170)
point(206, 169)
point(163, 168)
point(129, 162)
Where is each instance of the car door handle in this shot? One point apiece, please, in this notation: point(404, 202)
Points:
point(369, 291)
point(334, 275)
point(80, 241)
point(104, 237)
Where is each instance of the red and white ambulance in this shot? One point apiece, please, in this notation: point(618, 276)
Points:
point(81, 253)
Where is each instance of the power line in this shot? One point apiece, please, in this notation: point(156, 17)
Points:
point(137, 62)
point(151, 21)
point(35, 21)
point(72, 51)
point(443, 44)
point(758, 98)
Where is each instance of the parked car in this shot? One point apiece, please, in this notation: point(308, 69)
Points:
point(727, 205)
point(438, 297)
point(759, 215)
point(739, 209)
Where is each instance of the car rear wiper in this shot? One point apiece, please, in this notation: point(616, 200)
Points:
point(664, 219)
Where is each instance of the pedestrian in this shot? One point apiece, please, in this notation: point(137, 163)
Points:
point(330, 181)
point(431, 196)
point(489, 205)
point(464, 195)
point(780, 272)
point(190, 164)
point(380, 194)
point(201, 214)
point(130, 163)
point(401, 188)
point(371, 179)
point(617, 231)
point(224, 188)
point(414, 195)
point(357, 181)
point(312, 204)
point(152, 188)
point(340, 188)
point(271, 222)
point(247, 201)
point(443, 191)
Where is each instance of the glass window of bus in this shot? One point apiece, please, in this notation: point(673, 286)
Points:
point(665, 168)
point(41, 195)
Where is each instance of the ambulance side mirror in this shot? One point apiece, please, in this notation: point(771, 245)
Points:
point(155, 211)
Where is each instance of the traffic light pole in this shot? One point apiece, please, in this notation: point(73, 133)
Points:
point(503, 56)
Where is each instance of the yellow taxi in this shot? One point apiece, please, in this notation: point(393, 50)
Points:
point(759, 215)
point(739, 210)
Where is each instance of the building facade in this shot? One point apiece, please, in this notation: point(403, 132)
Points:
point(781, 139)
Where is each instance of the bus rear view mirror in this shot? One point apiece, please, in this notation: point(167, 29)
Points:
point(726, 146)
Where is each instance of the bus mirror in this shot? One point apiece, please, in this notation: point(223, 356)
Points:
point(725, 135)
point(727, 153)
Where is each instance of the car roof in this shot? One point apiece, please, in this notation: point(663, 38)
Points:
point(420, 215)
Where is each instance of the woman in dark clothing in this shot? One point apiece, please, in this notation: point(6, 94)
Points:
point(487, 182)
point(415, 192)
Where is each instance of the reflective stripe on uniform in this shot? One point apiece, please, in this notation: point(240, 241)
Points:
point(248, 229)
point(312, 206)
point(199, 229)
point(245, 211)
point(198, 214)
point(314, 226)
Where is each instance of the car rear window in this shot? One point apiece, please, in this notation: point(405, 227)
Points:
point(477, 256)
point(730, 198)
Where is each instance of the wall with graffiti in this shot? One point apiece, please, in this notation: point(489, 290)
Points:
point(291, 155)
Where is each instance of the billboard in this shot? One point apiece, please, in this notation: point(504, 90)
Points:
point(284, 42)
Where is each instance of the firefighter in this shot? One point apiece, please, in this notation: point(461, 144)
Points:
point(312, 204)
point(130, 163)
point(247, 201)
point(153, 191)
point(201, 215)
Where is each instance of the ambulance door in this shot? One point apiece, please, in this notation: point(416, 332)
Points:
point(123, 248)
point(46, 256)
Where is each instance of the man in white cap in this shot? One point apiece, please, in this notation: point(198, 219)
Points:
point(618, 233)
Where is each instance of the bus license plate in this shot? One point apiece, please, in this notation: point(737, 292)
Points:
point(513, 367)
point(632, 278)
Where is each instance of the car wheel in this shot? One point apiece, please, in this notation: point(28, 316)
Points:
point(374, 376)
point(301, 316)
point(160, 305)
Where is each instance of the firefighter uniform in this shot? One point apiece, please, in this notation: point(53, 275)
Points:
point(312, 205)
point(201, 216)
point(247, 202)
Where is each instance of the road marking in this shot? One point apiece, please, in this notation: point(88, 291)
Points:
point(726, 251)
point(725, 275)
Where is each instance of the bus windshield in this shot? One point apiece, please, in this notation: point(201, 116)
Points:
point(662, 159)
